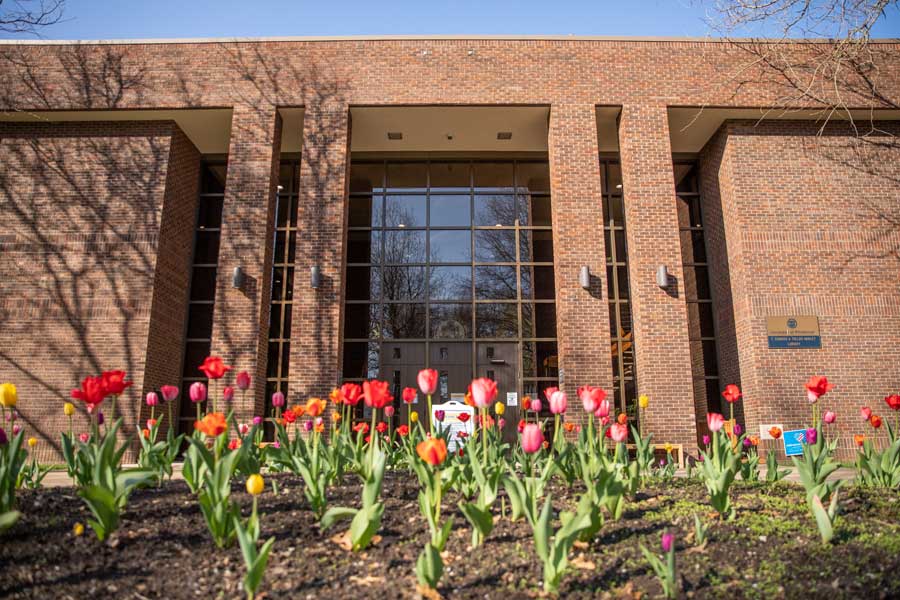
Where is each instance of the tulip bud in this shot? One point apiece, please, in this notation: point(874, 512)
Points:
point(197, 392)
point(668, 540)
point(100, 418)
point(812, 435)
point(169, 392)
point(532, 438)
point(8, 395)
point(255, 485)
point(152, 399)
point(3, 439)
point(499, 408)
point(243, 429)
point(737, 430)
point(866, 413)
point(32, 442)
point(536, 405)
point(228, 393)
point(84, 437)
point(389, 411)
point(257, 420)
point(278, 399)
point(501, 423)
point(243, 380)
point(16, 429)
point(643, 401)
point(78, 529)
point(829, 417)
point(68, 409)
point(706, 440)
point(307, 425)
point(747, 442)
point(414, 417)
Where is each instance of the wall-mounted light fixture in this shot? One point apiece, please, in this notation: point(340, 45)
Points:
point(662, 276)
point(315, 277)
point(584, 278)
point(237, 278)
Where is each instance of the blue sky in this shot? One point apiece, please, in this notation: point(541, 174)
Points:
point(108, 19)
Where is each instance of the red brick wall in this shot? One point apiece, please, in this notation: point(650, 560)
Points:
point(83, 208)
point(809, 227)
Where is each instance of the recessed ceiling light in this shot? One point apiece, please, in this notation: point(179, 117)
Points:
point(401, 225)
point(395, 135)
point(618, 186)
point(504, 135)
point(449, 136)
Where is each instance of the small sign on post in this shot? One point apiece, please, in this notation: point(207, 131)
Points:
point(452, 423)
point(793, 442)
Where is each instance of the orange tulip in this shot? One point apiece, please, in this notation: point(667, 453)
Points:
point(569, 427)
point(875, 421)
point(775, 432)
point(213, 424)
point(859, 439)
point(622, 419)
point(432, 450)
point(336, 416)
point(315, 407)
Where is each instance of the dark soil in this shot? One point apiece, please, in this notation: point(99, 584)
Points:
point(163, 549)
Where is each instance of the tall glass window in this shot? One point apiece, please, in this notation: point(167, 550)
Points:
point(203, 282)
point(282, 296)
point(621, 331)
point(450, 265)
point(697, 290)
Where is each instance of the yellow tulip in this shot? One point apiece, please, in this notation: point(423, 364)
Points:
point(414, 417)
point(255, 485)
point(668, 447)
point(78, 529)
point(69, 409)
point(32, 442)
point(499, 408)
point(8, 395)
point(336, 416)
point(643, 401)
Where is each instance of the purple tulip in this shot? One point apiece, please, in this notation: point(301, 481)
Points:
point(668, 539)
point(738, 430)
point(3, 439)
point(747, 442)
point(706, 440)
point(257, 420)
point(99, 417)
point(812, 434)
point(439, 415)
point(307, 425)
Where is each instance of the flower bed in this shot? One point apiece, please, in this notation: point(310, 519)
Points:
point(771, 549)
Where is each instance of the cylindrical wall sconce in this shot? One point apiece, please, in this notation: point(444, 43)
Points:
point(662, 276)
point(315, 277)
point(237, 278)
point(584, 278)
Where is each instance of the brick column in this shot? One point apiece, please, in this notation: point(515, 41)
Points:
point(322, 214)
point(660, 315)
point(582, 316)
point(241, 316)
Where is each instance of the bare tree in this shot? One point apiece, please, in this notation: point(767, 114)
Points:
point(28, 16)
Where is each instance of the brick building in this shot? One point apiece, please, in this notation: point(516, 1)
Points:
point(325, 210)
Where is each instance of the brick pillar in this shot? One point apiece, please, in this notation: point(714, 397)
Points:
point(322, 214)
point(241, 316)
point(660, 317)
point(582, 316)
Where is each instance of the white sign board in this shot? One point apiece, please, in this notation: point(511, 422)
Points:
point(452, 422)
point(764, 430)
point(512, 399)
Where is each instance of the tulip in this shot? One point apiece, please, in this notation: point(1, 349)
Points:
point(643, 401)
point(307, 425)
point(484, 391)
point(866, 413)
point(591, 397)
point(536, 405)
point(414, 417)
point(68, 409)
point(732, 393)
point(875, 421)
point(389, 410)
point(278, 399)
point(255, 485)
point(78, 529)
point(747, 442)
point(151, 423)
point(243, 429)
point(618, 432)
point(403, 430)
point(228, 393)
point(521, 426)
point(8, 395)
point(715, 421)
point(427, 380)
point(336, 416)
point(622, 419)
point(409, 395)
point(501, 423)
point(829, 417)
point(114, 382)
point(499, 409)
point(859, 439)
point(532, 438)
point(558, 403)
point(439, 416)
point(351, 393)
point(213, 367)
point(315, 407)
point(377, 394)
point(234, 444)
point(100, 418)
point(197, 392)
point(152, 399)
point(242, 380)
point(893, 401)
point(84, 437)
point(319, 425)
point(526, 403)
point(3, 439)
point(737, 429)
point(667, 540)
point(775, 432)
point(32, 442)
point(257, 420)
point(812, 435)
point(706, 439)
point(816, 387)
point(432, 450)
point(169, 392)
point(92, 391)
point(602, 409)
point(213, 424)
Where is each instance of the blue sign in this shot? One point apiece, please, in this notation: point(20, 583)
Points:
point(794, 441)
point(795, 341)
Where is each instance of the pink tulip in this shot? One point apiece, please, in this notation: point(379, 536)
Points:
point(276, 444)
point(618, 432)
point(715, 421)
point(427, 380)
point(667, 540)
point(591, 397)
point(243, 380)
point(829, 417)
point(501, 423)
point(84, 437)
point(866, 413)
point(228, 393)
point(532, 438)
point(536, 405)
point(558, 402)
point(257, 420)
point(152, 399)
point(389, 411)
point(197, 392)
point(17, 428)
point(278, 399)
point(706, 440)
point(307, 425)
point(484, 391)
point(243, 428)
point(602, 409)
point(604, 420)
point(169, 392)
point(812, 435)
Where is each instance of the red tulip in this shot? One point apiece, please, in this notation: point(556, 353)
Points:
point(377, 394)
point(403, 431)
point(526, 403)
point(859, 439)
point(362, 427)
point(817, 386)
point(92, 391)
point(532, 438)
point(875, 421)
point(618, 432)
point(228, 393)
point(715, 421)
point(484, 391)
point(409, 395)
point(602, 409)
point(549, 392)
point(214, 368)
point(213, 424)
point(351, 393)
point(243, 380)
point(169, 392)
point(427, 380)
point(893, 401)
point(463, 417)
point(521, 426)
point(732, 393)
point(591, 397)
point(114, 382)
point(432, 450)
point(381, 427)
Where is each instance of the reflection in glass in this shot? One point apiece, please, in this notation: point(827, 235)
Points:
point(451, 321)
point(495, 283)
point(403, 283)
point(404, 211)
point(493, 176)
point(365, 211)
point(536, 245)
point(495, 209)
point(450, 246)
point(407, 177)
point(496, 320)
point(404, 321)
point(495, 245)
point(402, 247)
point(450, 211)
point(451, 283)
